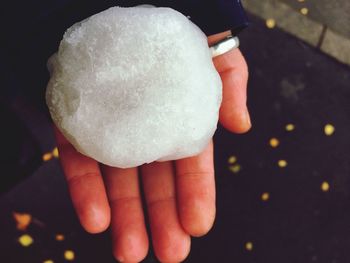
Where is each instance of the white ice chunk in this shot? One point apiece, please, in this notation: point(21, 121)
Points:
point(134, 85)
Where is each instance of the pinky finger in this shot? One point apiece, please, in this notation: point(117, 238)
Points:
point(85, 185)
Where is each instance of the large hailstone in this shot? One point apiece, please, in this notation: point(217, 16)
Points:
point(134, 85)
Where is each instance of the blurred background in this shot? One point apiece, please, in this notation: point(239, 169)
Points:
point(283, 189)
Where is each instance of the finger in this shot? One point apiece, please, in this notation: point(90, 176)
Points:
point(217, 37)
point(171, 243)
point(233, 70)
point(130, 242)
point(85, 185)
point(195, 184)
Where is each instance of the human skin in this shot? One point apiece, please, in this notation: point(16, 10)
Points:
point(179, 195)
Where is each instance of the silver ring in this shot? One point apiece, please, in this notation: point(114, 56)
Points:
point(224, 46)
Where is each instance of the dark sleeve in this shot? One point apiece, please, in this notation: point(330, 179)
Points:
point(213, 16)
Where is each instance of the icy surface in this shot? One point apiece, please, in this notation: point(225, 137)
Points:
point(133, 85)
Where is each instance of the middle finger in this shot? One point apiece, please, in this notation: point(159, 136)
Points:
point(171, 243)
point(130, 242)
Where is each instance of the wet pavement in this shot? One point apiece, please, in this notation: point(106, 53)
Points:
point(321, 24)
point(333, 14)
point(287, 204)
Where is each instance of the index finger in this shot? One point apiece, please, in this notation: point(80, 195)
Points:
point(233, 71)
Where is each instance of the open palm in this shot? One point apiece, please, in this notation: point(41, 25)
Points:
point(180, 195)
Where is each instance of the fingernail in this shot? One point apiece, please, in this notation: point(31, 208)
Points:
point(120, 259)
point(247, 118)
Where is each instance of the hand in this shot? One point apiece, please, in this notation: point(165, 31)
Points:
point(180, 202)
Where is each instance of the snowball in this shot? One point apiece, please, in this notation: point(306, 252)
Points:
point(134, 85)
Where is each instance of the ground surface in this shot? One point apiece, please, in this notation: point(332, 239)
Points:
point(334, 14)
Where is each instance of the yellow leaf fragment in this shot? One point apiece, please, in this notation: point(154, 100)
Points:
point(232, 159)
point(59, 237)
point(329, 129)
point(69, 255)
point(270, 23)
point(304, 11)
point(282, 163)
point(325, 186)
point(274, 142)
point(235, 168)
point(55, 152)
point(25, 240)
point(265, 196)
point(290, 127)
point(249, 246)
point(47, 156)
point(22, 219)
